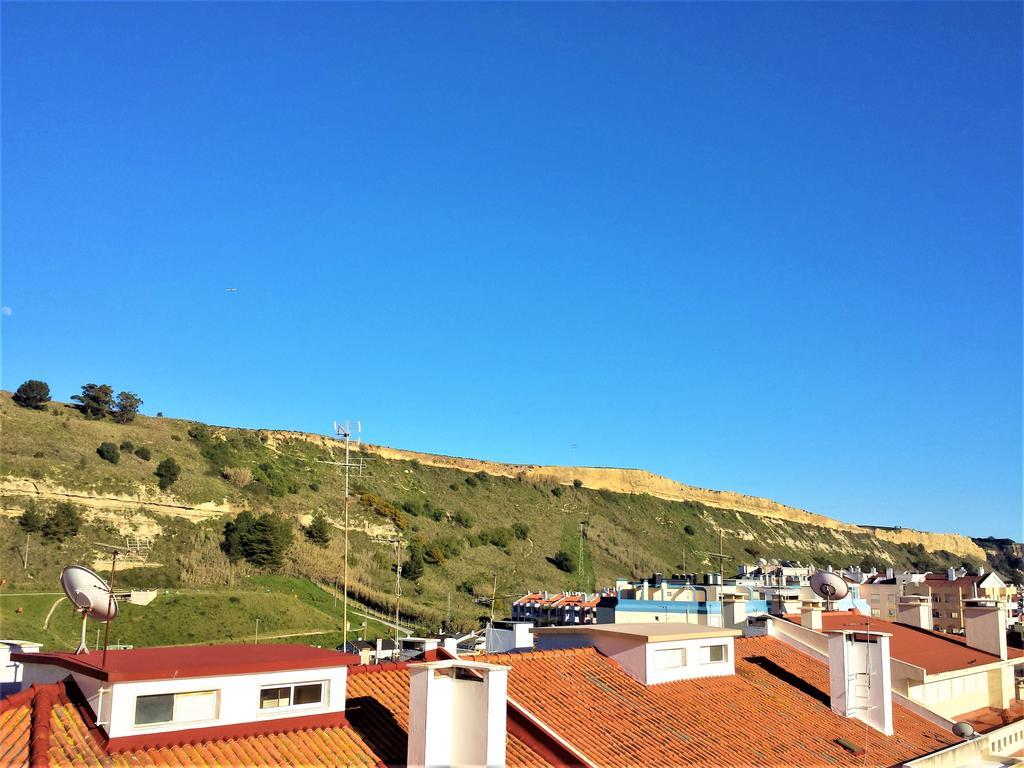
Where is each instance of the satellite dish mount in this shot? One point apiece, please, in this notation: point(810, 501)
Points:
point(830, 587)
point(91, 596)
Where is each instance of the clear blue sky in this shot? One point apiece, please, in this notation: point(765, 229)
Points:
point(770, 248)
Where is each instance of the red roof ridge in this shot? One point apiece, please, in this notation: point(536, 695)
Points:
point(383, 666)
point(43, 699)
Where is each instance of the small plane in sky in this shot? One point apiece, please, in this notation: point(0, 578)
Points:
point(230, 290)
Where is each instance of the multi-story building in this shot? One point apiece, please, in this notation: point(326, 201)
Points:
point(949, 590)
point(545, 609)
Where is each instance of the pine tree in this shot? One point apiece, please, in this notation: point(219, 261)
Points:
point(319, 531)
point(33, 394)
point(31, 519)
point(95, 401)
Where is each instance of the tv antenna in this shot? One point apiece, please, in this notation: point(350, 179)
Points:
point(720, 554)
point(91, 596)
point(345, 432)
point(829, 586)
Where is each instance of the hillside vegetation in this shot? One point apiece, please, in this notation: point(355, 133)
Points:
point(462, 536)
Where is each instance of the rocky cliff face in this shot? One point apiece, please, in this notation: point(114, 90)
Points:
point(639, 481)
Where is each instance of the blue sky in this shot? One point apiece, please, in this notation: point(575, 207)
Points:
point(771, 248)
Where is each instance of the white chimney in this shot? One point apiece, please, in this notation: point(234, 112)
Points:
point(985, 626)
point(951, 574)
point(860, 679)
point(734, 611)
point(890, 573)
point(810, 616)
point(457, 714)
point(915, 611)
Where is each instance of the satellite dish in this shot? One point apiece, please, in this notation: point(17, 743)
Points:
point(829, 586)
point(90, 595)
point(964, 730)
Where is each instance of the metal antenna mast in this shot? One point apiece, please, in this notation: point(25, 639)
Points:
point(346, 433)
point(720, 554)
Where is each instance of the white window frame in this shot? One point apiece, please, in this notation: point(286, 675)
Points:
point(705, 653)
point(175, 720)
point(291, 706)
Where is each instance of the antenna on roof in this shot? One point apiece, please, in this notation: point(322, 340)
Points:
point(829, 586)
point(345, 432)
point(90, 595)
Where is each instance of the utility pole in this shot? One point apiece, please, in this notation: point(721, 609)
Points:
point(257, 640)
point(398, 585)
point(494, 595)
point(24, 556)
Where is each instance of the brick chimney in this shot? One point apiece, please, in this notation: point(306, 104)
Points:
point(985, 625)
point(915, 611)
point(860, 679)
point(457, 714)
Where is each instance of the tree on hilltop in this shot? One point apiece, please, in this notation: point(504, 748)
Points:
point(127, 407)
point(33, 394)
point(96, 400)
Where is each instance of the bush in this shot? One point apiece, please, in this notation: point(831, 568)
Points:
point(521, 531)
point(238, 476)
point(126, 408)
point(127, 446)
point(167, 471)
point(412, 568)
point(63, 523)
point(96, 400)
point(577, 483)
point(31, 520)
point(319, 531)
point(314, 486)
point(33, 394)
point(556, 491)
point(143, 453)
point(564, 561)
point(463, 519)
point(471, 481)
point(690, 530)
point(109, 452)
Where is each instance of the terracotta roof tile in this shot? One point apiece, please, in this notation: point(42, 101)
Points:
point(935, 652)
point(773, 710)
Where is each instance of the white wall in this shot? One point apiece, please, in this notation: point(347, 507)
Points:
point(113, 704)
point(640, 660)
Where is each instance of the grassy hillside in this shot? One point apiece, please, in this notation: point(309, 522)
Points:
point(462, 521)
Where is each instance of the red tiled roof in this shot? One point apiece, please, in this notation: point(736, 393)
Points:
point(42, 726)
point(773, 711)
point(990, 718)
point(935, 652)
point(186, 661)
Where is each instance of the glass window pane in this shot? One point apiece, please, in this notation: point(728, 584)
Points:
point(198, 705)
point(308, 694)
point(154, 709)
point(275, 697)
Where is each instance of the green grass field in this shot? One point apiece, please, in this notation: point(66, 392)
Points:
point(289, 610)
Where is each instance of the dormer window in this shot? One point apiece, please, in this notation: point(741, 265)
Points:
point(712, 654)
point(298, 695)
point(193, 706)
